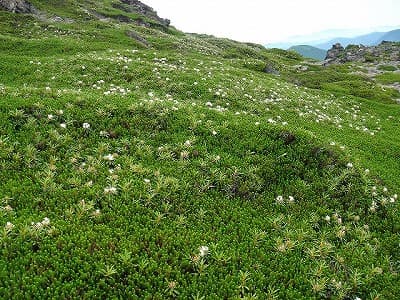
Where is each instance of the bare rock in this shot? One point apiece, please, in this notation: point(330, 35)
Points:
point(18, 6)
point(137, 37)
point(270, 69)
point(141, 8)
point(335, 51)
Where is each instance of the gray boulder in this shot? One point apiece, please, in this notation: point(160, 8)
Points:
point(17, 6)
point(270, 69)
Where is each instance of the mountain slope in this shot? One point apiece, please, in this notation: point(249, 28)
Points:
point(309, 52)
point(140, 162)
point(391, 36)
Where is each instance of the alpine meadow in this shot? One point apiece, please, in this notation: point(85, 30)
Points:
point(141, 162)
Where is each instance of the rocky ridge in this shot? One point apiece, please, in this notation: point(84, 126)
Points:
point(371, 61)
point(150, 17)
point(135, 6)
point(386, 51)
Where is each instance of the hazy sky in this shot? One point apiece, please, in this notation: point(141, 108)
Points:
point(265, 21)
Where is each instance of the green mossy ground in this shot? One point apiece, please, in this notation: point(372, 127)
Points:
point(140, 156)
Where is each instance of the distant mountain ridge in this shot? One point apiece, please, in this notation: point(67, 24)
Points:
point(309, 52)
point(370, 39)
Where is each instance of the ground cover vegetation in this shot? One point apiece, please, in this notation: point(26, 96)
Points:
point(180, 168)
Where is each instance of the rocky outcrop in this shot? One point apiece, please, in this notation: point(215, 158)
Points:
point(135, 6)
point(386, 51)
point(334, 52)
point(270, 69)
point(134, 35)
point(17, 6)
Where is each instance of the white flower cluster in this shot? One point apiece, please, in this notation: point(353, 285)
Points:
point(334, 217)
point(383, 199)
point(281, 200)
point(110, 190)
point(40, 225)
point(110, 157)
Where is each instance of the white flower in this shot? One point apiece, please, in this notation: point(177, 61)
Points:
point(109, 157)
point(63, 125)
point(9, 226)
point(203, 251)
point(184, 154)
point(104, 134)
point(89, 183)
point(373, 207)
point(209, 104)
point(86, 125)
point(7, 208)
point(349, 165)
point(291, 199)
point(279, 199)
point(187, 143)
point(50, 117)
point(110, 190)
point(327, 218)
point(46, 221)
point(214, 132)
point(147, 180)
point(96, 213)
point(366, 171)
point(60, 112)
point(37, 226)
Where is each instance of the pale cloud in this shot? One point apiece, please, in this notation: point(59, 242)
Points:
point(268, 21)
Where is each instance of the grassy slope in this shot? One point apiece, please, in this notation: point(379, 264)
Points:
point(203, 143)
